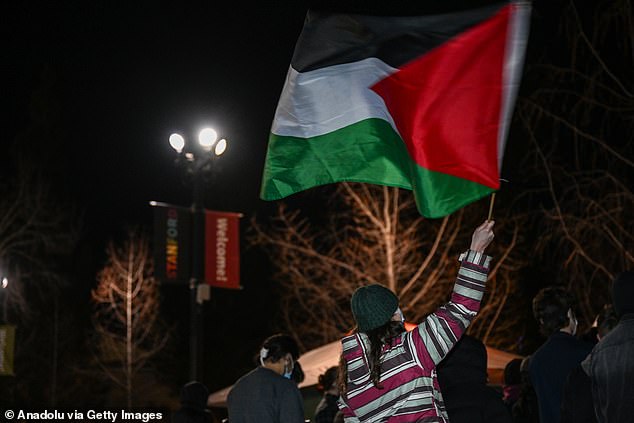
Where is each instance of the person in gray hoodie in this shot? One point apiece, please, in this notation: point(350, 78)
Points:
point(610, 365)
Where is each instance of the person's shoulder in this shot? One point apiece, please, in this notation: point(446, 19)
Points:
point(537, 356)
point(288, 390)
point(561, 342)
point(244, 380)
point(581, 344)
point(286, 384)
point(269, 377)
point(622, 334)
point(250, 374)
point(586, 346)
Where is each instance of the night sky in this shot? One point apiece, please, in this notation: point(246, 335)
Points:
point(118, 80)
point(121, 79)
point(128, 76)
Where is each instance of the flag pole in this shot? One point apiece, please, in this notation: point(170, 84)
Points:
point(491, 206)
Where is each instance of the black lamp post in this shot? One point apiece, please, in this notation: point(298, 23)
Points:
point(196, 160)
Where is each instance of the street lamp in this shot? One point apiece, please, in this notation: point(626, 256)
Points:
point(196, 161)
point(4, 285)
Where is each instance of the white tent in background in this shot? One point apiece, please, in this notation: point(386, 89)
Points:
point(317, 361)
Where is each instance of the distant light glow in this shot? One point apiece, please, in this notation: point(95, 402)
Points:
point(207, 138)
point(177, 142)
point(5, 282)
point(220, 147)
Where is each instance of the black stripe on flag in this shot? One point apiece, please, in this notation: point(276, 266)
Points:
point(329, 39)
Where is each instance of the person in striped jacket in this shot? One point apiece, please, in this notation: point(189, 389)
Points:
point(388, 374)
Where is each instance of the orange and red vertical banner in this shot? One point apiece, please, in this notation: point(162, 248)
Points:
point(222, 249)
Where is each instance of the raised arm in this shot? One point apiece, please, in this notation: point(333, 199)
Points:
point(439, 332)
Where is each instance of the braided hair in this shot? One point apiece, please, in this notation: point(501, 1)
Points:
point(379, 337)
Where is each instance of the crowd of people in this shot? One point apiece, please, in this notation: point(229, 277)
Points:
point(575, 378)
point(437, 373)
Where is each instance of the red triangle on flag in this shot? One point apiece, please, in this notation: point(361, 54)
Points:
point(447, 104)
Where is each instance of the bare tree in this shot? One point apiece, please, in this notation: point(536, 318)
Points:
point(30, 223)
point(39, 230)
point(37, 235)
point(126, 313)
point(579, 123)
point(374, 234)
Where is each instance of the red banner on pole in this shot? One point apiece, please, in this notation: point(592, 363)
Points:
point(222, 249)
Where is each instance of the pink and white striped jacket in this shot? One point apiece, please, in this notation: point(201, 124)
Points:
point(408, 366)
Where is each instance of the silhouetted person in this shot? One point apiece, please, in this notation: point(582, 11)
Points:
point(525, 409)
point(552, 362)
point(327, 408)
point(193, 404)
point(611, 363)
point(511, 383)
point(577, 404)
point(462, 376)
point(268, 394)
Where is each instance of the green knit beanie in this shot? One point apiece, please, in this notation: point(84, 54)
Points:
point(373, 306)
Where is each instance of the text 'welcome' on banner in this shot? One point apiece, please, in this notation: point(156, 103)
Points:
point(173, 252)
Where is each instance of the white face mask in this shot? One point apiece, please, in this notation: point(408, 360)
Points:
point(399, 313)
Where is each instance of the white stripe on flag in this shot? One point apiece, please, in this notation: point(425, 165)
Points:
point(516, 41)
point(323, 100)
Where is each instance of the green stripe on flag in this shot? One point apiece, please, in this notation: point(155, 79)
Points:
point(368, 151)
point(438, 194)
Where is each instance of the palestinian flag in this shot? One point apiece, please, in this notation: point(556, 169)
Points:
point(416, 102)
